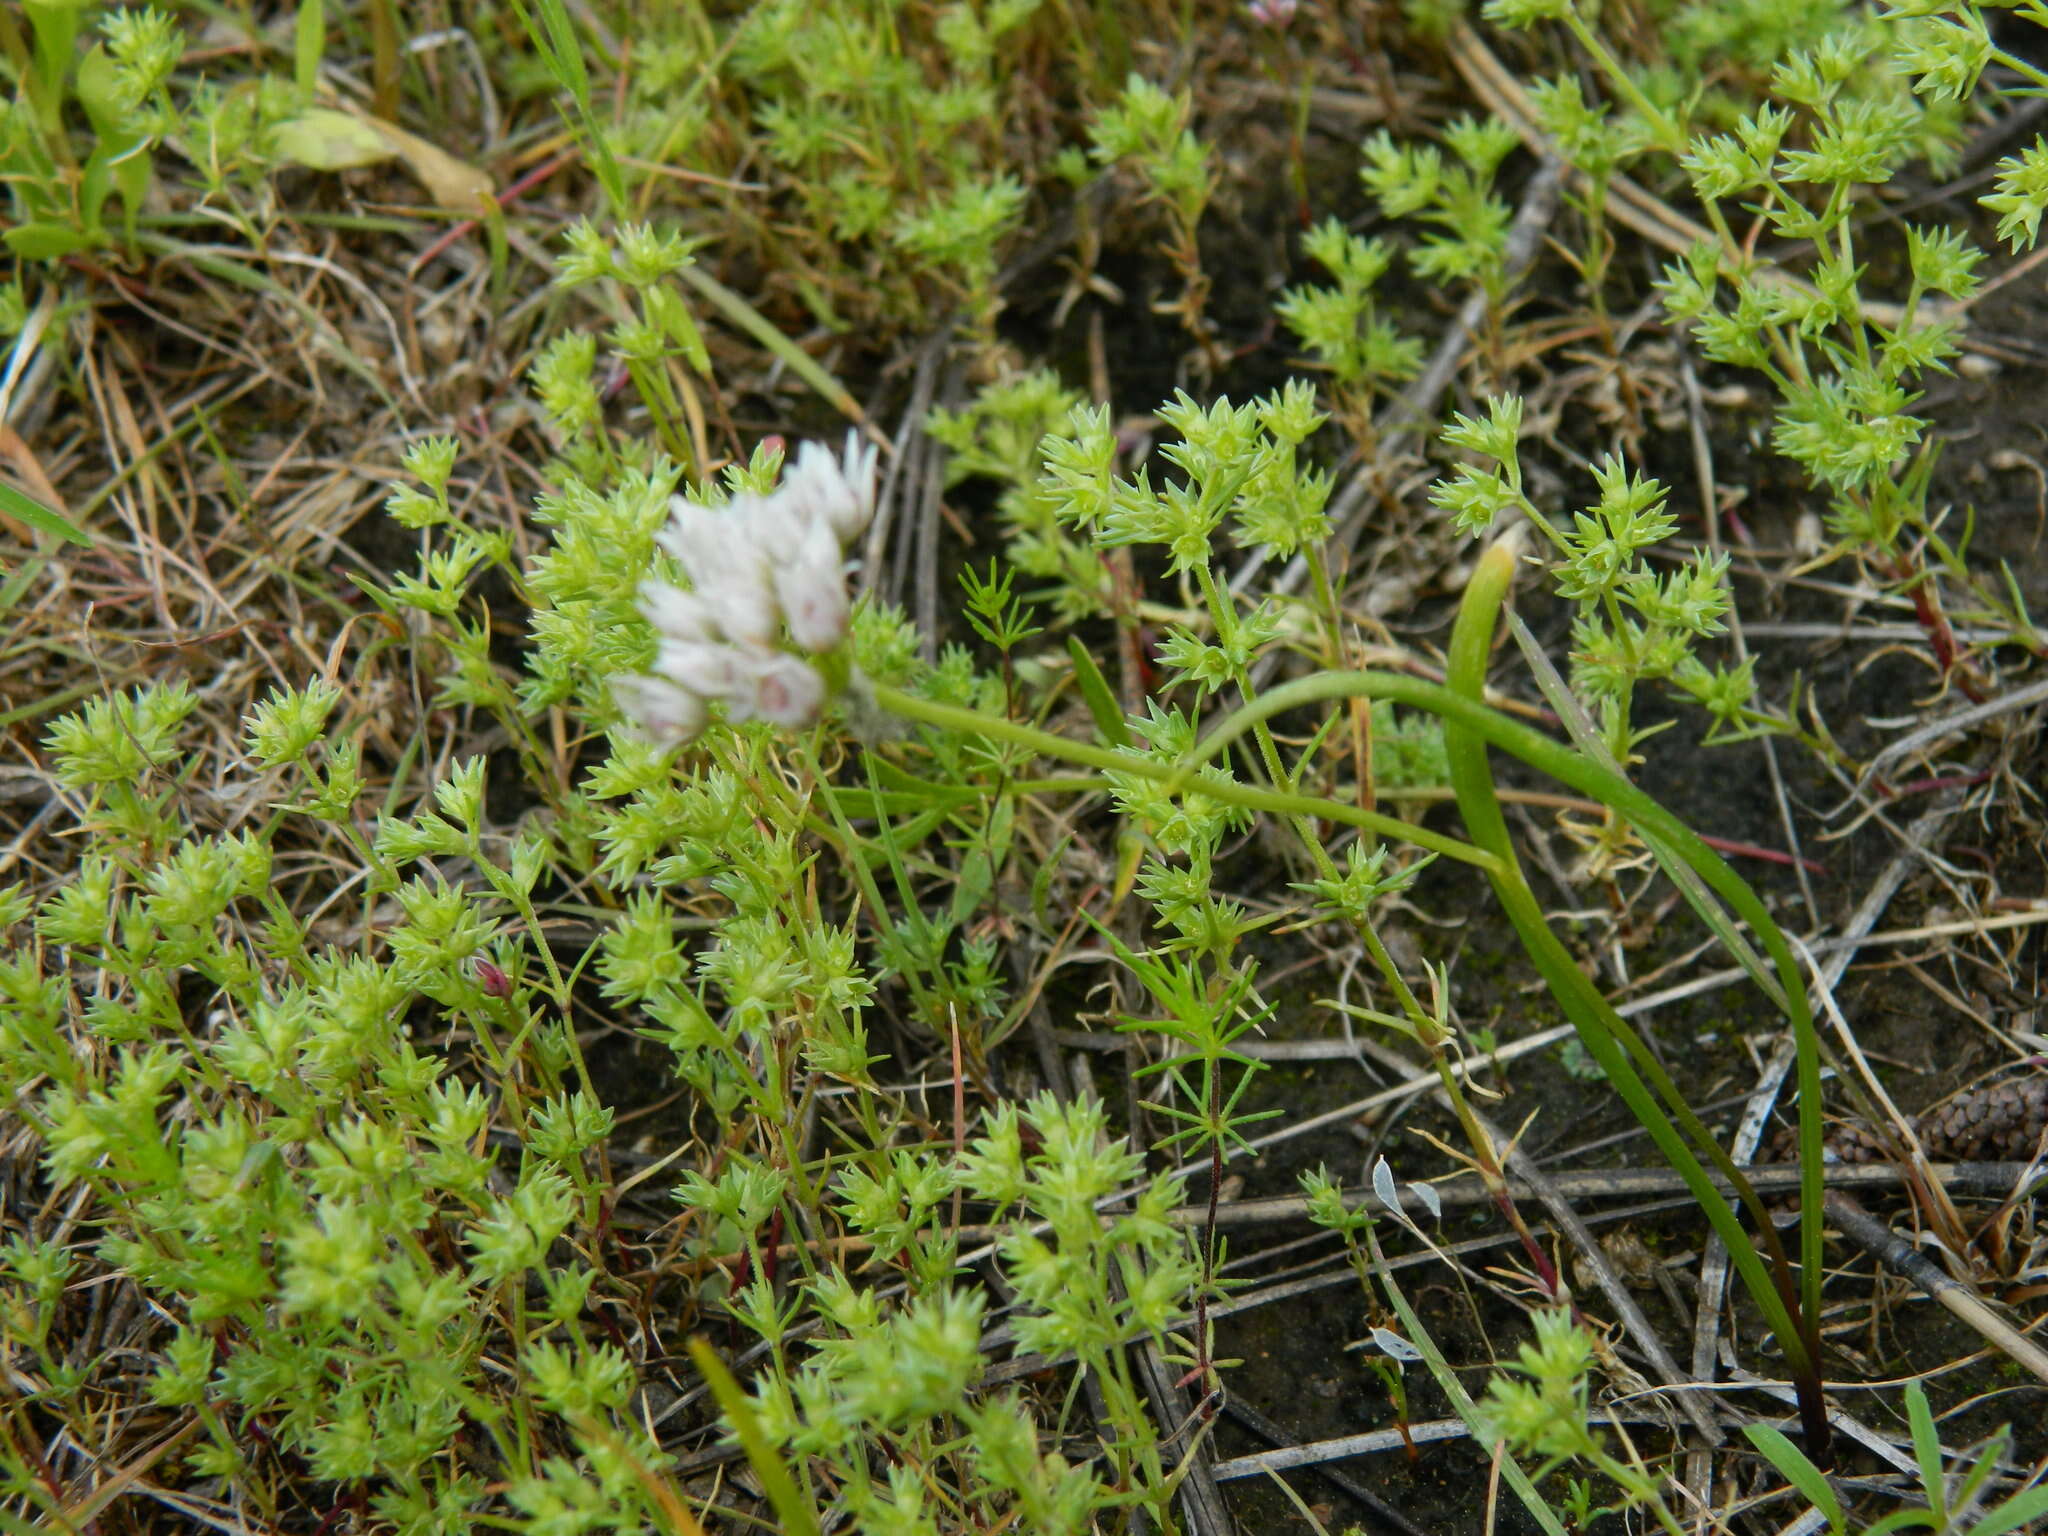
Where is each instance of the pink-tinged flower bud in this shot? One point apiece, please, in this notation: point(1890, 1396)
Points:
point(838, 492)
point(857, 468)
point(495, 983)
point(677, 614)
point(781, 689)
point(811, 586)
point(661, 712)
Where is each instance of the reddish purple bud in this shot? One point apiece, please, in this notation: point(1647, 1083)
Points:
point(494, 981)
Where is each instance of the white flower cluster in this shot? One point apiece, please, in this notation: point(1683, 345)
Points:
point(755, 565)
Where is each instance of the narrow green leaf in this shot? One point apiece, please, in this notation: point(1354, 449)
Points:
point(1793, 1466)
point(1101, 699)
point(309, 44)
point(1454, 1389)
point(1586, 736)
point(798, 1518)
point(46, 240)
point(2017, 1513)
point(1468, 727)
point(25, 508)
point(20, 581)
point(1041, 883)
point(1927, 1450)
point(554, 38)
point(755, 324)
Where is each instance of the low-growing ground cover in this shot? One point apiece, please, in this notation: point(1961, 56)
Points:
point(1022, 767)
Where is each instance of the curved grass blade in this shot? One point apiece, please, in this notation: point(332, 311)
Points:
point(24, 508)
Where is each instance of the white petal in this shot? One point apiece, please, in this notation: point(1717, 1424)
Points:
point(664, 714)
point(812, 590)
point(782, 689)
point(710, 671)
point(679, 615)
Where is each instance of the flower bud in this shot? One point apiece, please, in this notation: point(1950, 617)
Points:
point(495, 983)
point(811, 586)
point(661, 712)
point(781, 689)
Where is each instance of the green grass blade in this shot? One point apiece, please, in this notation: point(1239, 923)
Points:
point(309, 43)
point(755, 324)
point(2017, 1513)
point(1791, 1316)
point(1927, 1449)
point(1801, 1473)
point(554, 38)
point(25, 508)
point(1586, 737)
point(797, 1515)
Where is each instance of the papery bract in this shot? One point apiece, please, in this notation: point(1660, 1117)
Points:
point(727, 567)
point(710, 671)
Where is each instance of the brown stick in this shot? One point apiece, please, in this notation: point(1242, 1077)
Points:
point(1893, 1251)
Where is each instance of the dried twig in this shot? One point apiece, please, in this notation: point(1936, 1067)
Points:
point(1892, 1250)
